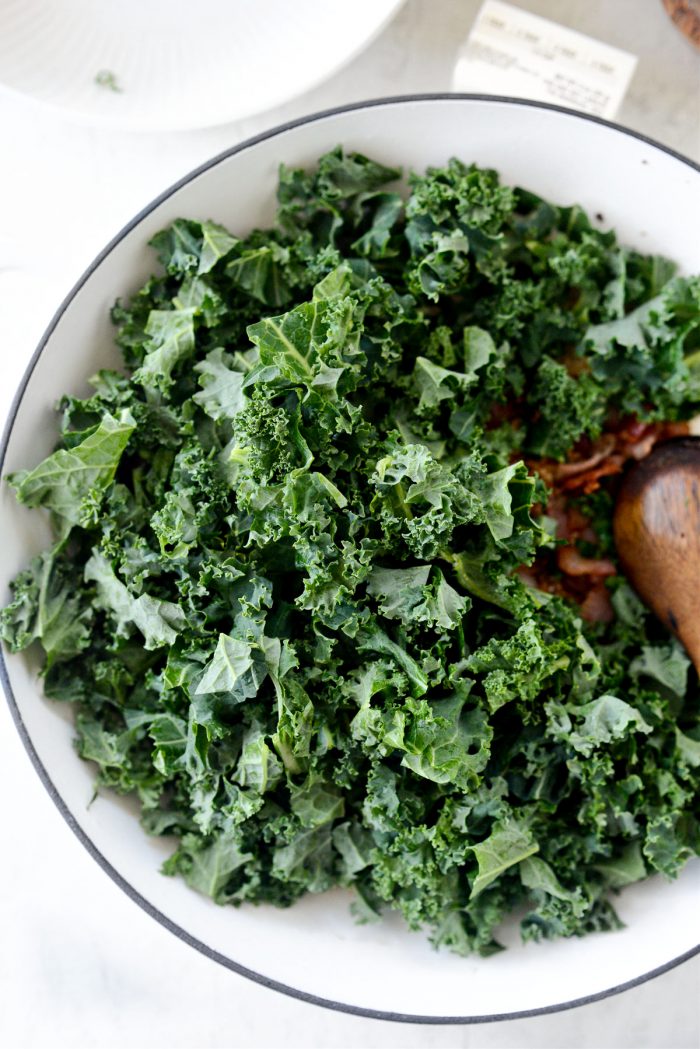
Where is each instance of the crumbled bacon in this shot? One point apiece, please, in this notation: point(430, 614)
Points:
point(592, 461)
point(632, 429)
point(641, 448)
point(571, 562)
point(562, 471)
point(589, 481)
point(596, 606)
point(581, 578)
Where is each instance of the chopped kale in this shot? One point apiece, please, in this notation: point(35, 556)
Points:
point(283, 595)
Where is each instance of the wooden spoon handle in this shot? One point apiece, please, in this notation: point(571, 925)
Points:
point(656, 526)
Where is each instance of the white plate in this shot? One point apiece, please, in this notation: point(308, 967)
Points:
point(314, 949)
point(175, 64)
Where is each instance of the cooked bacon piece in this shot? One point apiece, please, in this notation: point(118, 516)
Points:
point(561, 471)
point(528, 576)
point(586, 483)
point(571, 562)
point(596, 606)
point(632, 430)
point(680, 429)
point(537, 577)
point(606, 456)
point(577, 522)
point(641, 448)
point(556, 508)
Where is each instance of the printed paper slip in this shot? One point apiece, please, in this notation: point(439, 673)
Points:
point(512, 52)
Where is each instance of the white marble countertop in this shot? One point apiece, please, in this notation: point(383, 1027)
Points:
point(80, 965)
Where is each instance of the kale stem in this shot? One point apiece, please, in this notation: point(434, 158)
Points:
point(401, 496)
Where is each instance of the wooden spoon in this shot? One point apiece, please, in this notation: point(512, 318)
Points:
point(656, 526)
